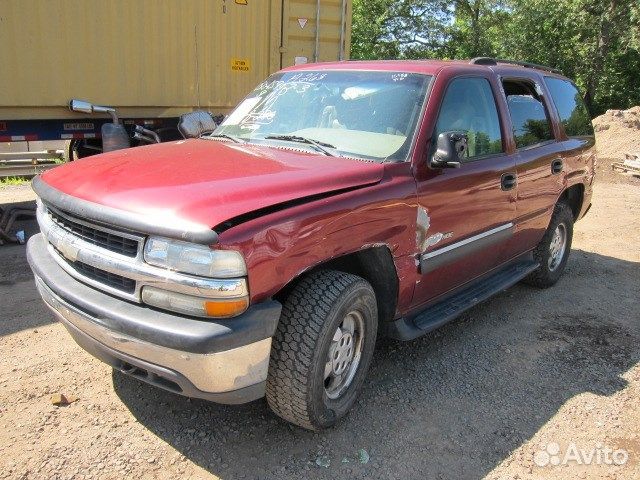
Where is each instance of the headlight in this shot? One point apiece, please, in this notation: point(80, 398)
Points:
point(193, 258)
point(192, 305)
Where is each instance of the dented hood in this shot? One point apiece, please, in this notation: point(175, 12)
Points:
point(204, 182)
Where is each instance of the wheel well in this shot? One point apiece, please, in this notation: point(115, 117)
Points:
point(375, 265)
point(573, 196)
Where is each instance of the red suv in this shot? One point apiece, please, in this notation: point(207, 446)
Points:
point(337, 203)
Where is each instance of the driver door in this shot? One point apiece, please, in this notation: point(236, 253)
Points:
point(470, 209)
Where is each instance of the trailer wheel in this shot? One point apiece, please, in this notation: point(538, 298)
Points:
point(83, 147)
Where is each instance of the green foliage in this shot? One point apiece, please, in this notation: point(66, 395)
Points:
point(386, 29)
point(595, 42)
point(369, 35)
point(7, 181)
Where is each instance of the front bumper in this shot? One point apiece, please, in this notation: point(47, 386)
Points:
point(224, 361)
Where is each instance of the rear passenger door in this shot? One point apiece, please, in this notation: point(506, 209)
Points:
point(577, 135)
point(538, 157)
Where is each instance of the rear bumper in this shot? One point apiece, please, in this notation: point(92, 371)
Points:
point(224, 361)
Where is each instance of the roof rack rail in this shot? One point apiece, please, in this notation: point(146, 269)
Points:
point(496, 61)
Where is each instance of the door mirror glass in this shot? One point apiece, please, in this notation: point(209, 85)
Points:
point(451, 148)
point(196, 124)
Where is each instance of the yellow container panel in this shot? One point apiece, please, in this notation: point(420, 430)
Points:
point(154, 57)
point(301, 28)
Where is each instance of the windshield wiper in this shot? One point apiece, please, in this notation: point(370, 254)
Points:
point(295, 138)
point(224, 135)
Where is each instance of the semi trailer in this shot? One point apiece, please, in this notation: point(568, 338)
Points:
point(141, 65)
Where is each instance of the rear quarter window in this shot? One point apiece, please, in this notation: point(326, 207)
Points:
point(571, 109)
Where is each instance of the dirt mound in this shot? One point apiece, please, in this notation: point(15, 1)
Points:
point(617, 133)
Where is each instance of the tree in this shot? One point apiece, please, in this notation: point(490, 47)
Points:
point(477, 27)
point(399, 28)
point(591, 41)
point(369, 34)
point(595, 42)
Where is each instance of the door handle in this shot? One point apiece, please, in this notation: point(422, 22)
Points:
point(508, 181)
point(556, 166)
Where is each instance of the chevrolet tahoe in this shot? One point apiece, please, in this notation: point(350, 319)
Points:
point(336, 204)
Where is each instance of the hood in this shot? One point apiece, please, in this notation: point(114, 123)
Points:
point(205, 182)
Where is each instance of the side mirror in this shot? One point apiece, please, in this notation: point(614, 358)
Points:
point(87, 107)
point(195, 124)
point(80, 106)
point(450, 150)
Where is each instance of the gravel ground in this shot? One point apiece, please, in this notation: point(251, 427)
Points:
point(530, 375)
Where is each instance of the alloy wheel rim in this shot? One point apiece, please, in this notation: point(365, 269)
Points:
point(344, 355)
point(557, 247)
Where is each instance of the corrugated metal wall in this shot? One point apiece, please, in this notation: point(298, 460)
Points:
point(154, 57)
point(300, 27)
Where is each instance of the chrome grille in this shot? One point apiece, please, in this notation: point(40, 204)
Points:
point(111, 279)
point(86, 256)
point(108, 240)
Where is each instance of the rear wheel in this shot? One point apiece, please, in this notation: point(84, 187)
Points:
point(322, 349)
point(553, 250)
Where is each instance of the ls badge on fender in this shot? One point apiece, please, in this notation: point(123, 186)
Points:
point(438, 237)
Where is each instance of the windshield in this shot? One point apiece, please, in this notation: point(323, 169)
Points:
point(362, 114)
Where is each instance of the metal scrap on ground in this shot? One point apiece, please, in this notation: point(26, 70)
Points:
point(28, 164)
point(630, 165)
point(7, 218)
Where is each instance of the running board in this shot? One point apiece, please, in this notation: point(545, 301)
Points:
point(436, 315)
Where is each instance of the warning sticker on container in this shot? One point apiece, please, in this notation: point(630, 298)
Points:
point(79, 126)
point(240, 65)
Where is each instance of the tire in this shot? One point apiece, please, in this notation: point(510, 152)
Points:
point(81, 148)
point(552, 266)
point(315, 322)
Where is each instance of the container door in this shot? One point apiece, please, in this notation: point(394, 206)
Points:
point(315, 31)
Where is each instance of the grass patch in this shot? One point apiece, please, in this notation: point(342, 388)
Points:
point(7, 181)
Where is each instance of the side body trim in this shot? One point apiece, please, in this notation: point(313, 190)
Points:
point(436, 258)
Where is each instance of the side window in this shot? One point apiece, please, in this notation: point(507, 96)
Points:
point(571, 109)
point(469, 106)
point(531, 124)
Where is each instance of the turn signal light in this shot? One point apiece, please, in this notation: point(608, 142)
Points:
point(192, 305)
point(226, 308)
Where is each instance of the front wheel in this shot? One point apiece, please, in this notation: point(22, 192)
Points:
point(553, 250)
point(322, 348)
